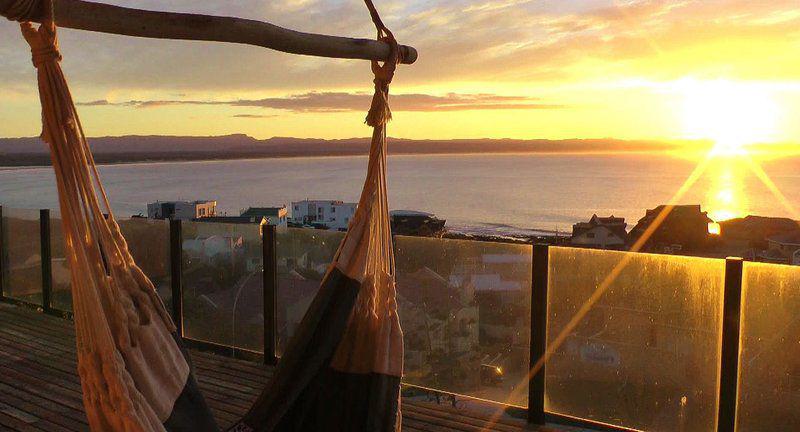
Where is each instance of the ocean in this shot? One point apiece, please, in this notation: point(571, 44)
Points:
point(508, 194)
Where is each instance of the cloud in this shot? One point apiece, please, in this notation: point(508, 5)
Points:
point(475, 41)
point(254, 116)
point(322, 102)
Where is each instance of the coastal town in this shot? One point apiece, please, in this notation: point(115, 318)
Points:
point(683, 230)
point(464, 303)
point(464, 299)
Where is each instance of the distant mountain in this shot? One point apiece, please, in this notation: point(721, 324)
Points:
point(32, 151)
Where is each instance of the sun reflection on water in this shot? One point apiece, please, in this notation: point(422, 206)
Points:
point(726, 198)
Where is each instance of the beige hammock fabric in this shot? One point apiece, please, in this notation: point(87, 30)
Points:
point(130, 366)
point(341, 372)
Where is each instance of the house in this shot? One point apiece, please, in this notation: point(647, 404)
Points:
point(274, 215)
point(600, 232)
point(181, 210)
point(681, 228)
point(442, 321)
point(753, 231)
point(245, 229)
point(782, 249)
point(208, 248)
point(326, 214)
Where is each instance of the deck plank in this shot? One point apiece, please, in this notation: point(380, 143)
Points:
point(40, 389)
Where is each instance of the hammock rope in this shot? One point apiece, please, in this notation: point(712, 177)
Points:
point(340, 372)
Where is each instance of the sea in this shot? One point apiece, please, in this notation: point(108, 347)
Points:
point(489, 194)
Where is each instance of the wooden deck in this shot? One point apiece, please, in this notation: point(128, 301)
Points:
point(40, 390)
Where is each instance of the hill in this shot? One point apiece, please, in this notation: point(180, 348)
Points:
point(121, 149)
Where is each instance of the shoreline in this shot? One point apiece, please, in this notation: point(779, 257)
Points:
point(43, 160)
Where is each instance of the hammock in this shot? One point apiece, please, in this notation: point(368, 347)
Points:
point(340, 372)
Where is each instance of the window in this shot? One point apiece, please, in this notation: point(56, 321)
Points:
point(333, 209)
point(297, 208)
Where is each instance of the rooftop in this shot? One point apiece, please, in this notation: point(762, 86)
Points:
point(232, 219)
point(264, 211)
point(788, 239)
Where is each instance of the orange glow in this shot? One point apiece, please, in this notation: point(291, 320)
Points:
point(733, 115)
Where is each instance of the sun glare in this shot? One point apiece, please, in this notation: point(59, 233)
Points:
point(732, 115)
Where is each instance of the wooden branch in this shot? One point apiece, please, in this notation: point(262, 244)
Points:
point(99, 17)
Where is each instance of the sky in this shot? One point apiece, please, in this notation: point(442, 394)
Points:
point(630, 69)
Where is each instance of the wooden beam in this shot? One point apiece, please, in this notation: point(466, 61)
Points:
point(99, 17)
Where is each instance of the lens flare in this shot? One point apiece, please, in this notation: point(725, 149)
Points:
point(733, 115)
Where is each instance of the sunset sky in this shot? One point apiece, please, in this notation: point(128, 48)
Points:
point(502, 68)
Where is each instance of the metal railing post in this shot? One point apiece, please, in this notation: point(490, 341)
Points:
point(2, 255)
point(269, 243)
point(176, 273)
point(46, 257)
point(729, 369)
point(538, 339)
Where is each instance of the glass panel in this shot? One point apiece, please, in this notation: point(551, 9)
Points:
point(62, 291)
point(646, 354)
point(148, 241)
point(222, 284)
point(303, 257)
point(465, 312)
point(22, 258)
point(769, 371)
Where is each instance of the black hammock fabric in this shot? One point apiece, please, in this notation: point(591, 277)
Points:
point(306, 394)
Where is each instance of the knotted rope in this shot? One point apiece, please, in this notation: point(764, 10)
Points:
point(43, 42)
point(379, 113)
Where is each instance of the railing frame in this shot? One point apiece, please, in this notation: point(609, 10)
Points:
point(176, 273)
point(729, 355)
point(47, 260)
point(540, 256)
point(2, 256)
point(729, 347)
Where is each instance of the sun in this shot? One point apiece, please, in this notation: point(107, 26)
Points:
point(731, 114)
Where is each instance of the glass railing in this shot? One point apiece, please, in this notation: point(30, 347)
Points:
point(62, 285)
point(465, 312)
point(303, 257)
point(223, 284)
point(21, 255)
point(645, 352)
point(769, 364)
point(148, 242)
point(635, 338)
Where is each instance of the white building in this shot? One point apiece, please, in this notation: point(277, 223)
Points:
point(600, 232)
point(181, 210)
point(334, 215)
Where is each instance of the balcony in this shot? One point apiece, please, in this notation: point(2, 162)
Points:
point(663, 343)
